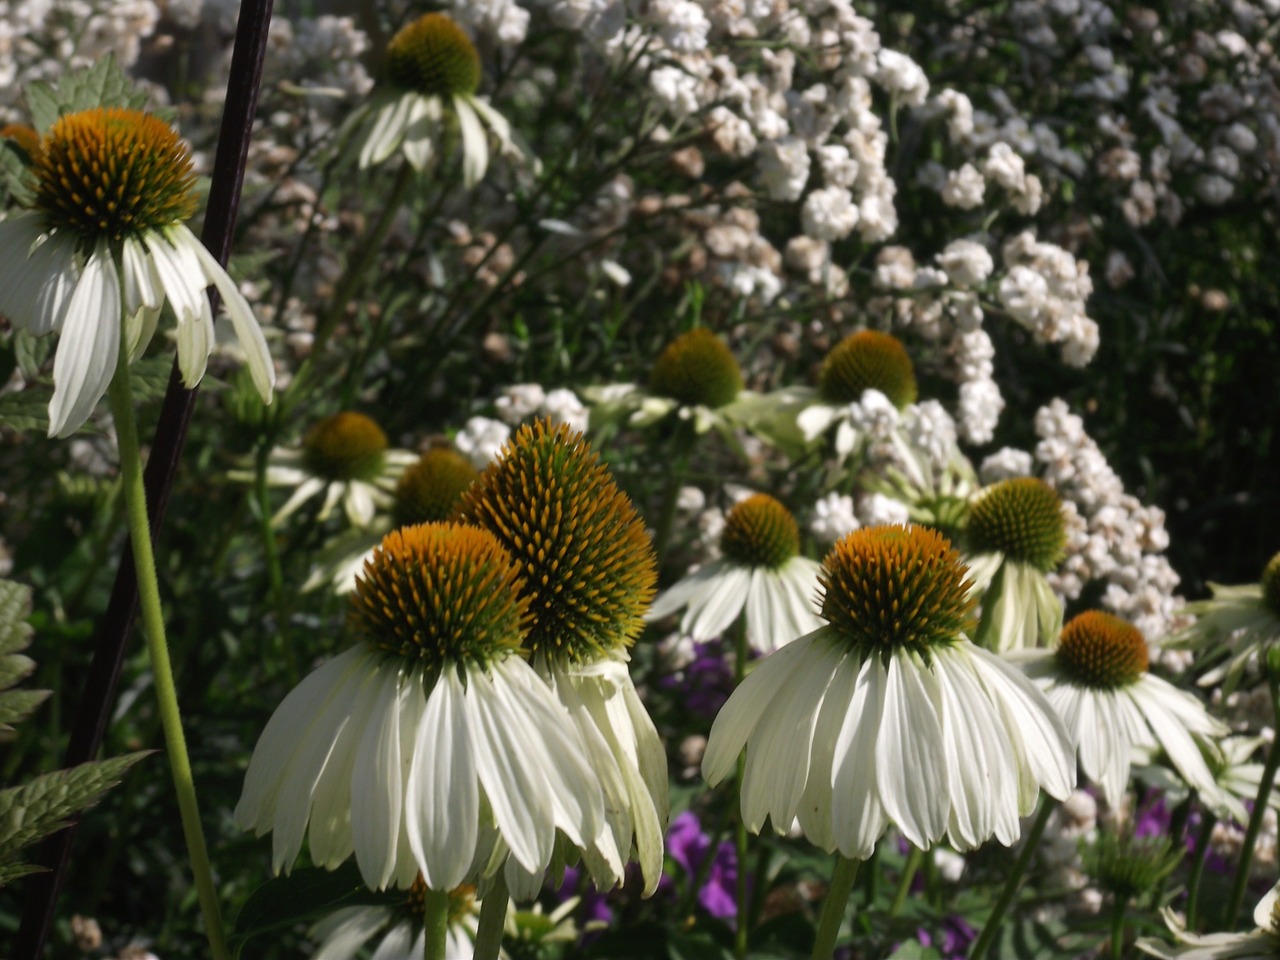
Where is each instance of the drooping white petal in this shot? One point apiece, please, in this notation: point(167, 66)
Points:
point(442, 792)
point(738, 718)
point(514, 787)
point(38, 274)
point(345, 931)
point(679, 594)
point(377, 794)
point(307, 488)
point(816, 810)
point(386, 130)
point(143, 296)
point(779, 754)
point(713, 612)
point(475, 146)
point(89, 345)
point(911, 768)
point(358, 504)
point(253, 344)
point(184, 283)
point(496, 121)
point(1159, 704)
point(859, 819)
point(422, 130)
point(813, 421)
point(397, 944)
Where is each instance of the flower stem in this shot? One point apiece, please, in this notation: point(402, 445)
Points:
point(909, 870)
point(1197, 868)
point(493, 919)
point(1259, 812)
point(846, 871)
point(121, 395)
point(1014, 881)
point(1117, 927)
point(435, 920)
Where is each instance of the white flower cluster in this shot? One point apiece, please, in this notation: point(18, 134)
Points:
point(523, 401)
point(1044, 289)
point(1111, 536)
point(321, 54)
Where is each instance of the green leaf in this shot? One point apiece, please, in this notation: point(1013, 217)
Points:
point(150, 377)
point(103, 84)
point(16, 705)
point(33, 811)
point(15, 611)
point(31, 352)
point(306, 894)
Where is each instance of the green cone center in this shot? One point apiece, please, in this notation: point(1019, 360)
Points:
point(760, 532)
point(889, 588)
point(1022, 518)
point(588, 564)
point(111, 173)
point(868, 360)
point(435, 57)
point(440, 593)
point(430, 489)
point(345, 446)
point(697, 369)
point(1100, 651)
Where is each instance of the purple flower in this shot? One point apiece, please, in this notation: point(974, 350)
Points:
point(1153, 817)
point(952, 941)
point(705, 682)
point(687, 845)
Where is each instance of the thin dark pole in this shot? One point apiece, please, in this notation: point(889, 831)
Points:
point(94, 711)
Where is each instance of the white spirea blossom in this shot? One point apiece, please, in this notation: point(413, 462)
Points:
point(829, 214)
point(518, 401)
point(481, 439)
point(784, 168)
point(1004, 464)
point(563, 406)
point(964, 188)
point(902, 78)
point(876, 509)
point(968, 264)
point(980, 408)
point(833, 517)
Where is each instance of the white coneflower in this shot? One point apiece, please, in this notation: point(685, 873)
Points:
point(888, 715)
point(1097, 680)
point(589, 571)
point(102, 248)
point(1263, 943)
point(343, 457)
point(1017, 534)
point(430, 740)
point(432, 73)
point(1240, 622)
point(761, 571)
point(695, 379)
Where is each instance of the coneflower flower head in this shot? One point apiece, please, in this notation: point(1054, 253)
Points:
point(1021, 518)
point(431, 740)
point(888, 714)
point(868, 360)
point(890, 589)
point(588, 564)
point(431, 488)
point(697, 369)
point(433, 56)
point(440, 593)
point(345, 446)
point(760, 532)
point(112, 172)
point(1101, 651)
point(1126, 866)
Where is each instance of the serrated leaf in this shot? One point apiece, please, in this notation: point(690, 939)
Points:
point(17, 705)
point(150, 377)
point(303, 895)
point(15, 611)
point(33, 811)
point(10, 872)
point(103, 84)
point(26, 411)
point(14, 669)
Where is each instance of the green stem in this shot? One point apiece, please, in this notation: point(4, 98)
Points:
point(671, 492)
point(909, 869)
point(1117, 927)
point(1259, 812)
point(435, 920)
point(1014, 881)
point(846, 871)
point(493, 920)
point(1197, 869)
point(121, 396)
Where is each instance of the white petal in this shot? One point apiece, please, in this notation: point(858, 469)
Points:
point(859, 818)
point(386, 131)
point(422, 130)
point(143, 296)
point(397, 944)
point(816, 804)
point(496, 121)
point(1170, 730)
point(714, 612)
point(443, 794)
point(737, 719)
point(37, 274)
point(89, 345)
point(679, 594)
point(911, 767)
point(249, 334)
point(475, 147)
point(344, 932)
point(377, 794)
